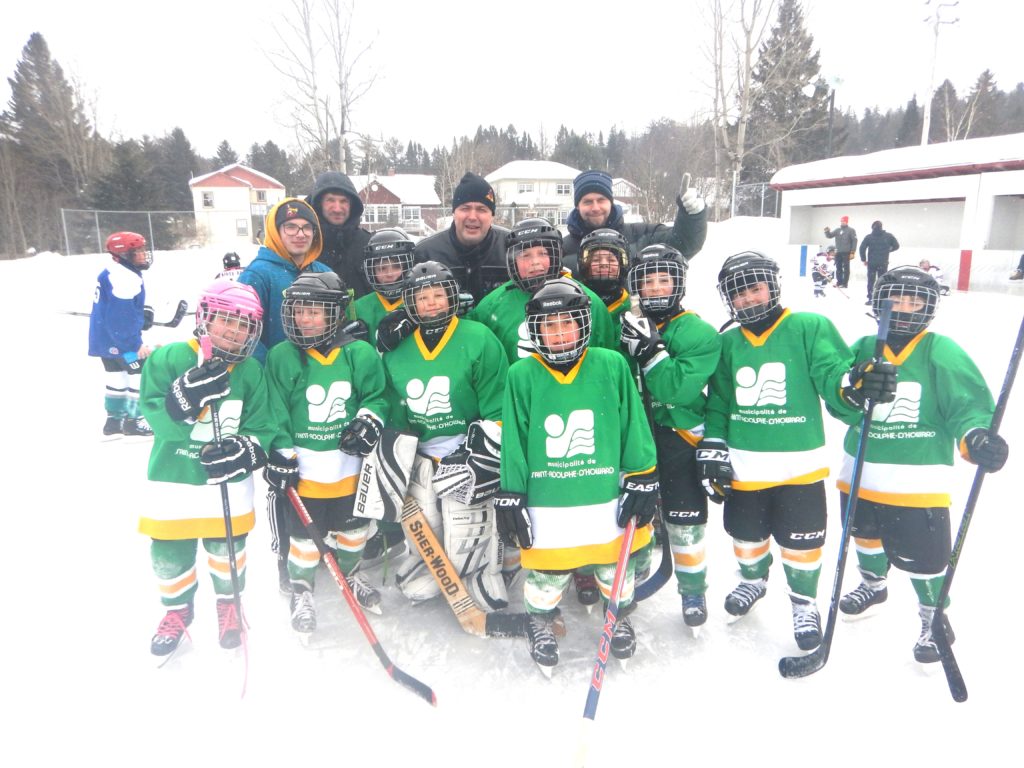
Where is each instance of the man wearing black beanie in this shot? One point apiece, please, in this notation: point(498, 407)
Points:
point(472, 248)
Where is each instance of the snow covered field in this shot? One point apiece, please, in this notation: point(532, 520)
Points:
point(78, 683)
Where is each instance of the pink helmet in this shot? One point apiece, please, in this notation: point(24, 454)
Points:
point(230, 313)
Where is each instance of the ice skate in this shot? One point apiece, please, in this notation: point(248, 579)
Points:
point(136, 428)
point(587, 591)
point(170, 632)
point(623, 641)
point(113, 428)
point(540, 638)
point(695, 612)
point(739, 602)
point(284, 581)
point(806, 622)
point(925, 650)
point(382, 546)
point(857, 604)
point(229, 625)
point(366, 595)
point(303, 613)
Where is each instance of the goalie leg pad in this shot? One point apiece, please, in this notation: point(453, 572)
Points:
point(384, 476)
point(412, 575)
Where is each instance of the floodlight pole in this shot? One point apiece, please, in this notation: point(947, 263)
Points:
point(936, 19)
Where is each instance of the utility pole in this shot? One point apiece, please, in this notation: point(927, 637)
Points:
point(936, 19)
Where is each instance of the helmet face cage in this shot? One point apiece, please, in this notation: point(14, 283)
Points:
point(735, 283)
point(373, 260)
point(310, 321)
point(539, 328)
point(553, 245)
point(451, 292)
point(917, 300)
point(643, 274)
point(231, 315)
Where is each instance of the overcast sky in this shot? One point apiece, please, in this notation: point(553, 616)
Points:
point(442, 68)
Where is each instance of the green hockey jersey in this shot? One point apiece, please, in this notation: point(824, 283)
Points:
point(437, 393)
point(185, 507)
point(567, 439)
point(764, 399)
point(940, 396)
point(314, 397)
point(371, 309)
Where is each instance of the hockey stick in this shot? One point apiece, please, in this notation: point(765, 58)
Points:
point(801, 666)
point(957, 687)
point(422, 690)
point(179, 313)
point(471, 617)
point(604, 643)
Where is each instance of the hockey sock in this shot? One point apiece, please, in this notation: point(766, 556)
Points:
point(688, 553)
point(802, 566)
point(871, 557)
point(643, 557)
point(174, 565)
point(605, 576)
point(131, 404)
point(303, 558)
point(928, 588)
point(348, 546)
point(116, 393)
point(754, 558)
point(220, 566)
point(543, 591)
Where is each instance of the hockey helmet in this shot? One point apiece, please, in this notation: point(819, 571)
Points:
point(526, 235)
point(915, 296)
point(549, 313)
point(129, 248)
point(231, 315)
point(604, 278)
point(424, 306)
point(660, 299)
point(313, 307)
point(742, 273)
point(231, 261)
point(387, 248)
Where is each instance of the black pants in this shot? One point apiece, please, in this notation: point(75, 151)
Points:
point(842, 269)
point(875, 269)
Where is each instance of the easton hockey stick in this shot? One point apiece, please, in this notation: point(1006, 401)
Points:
point(421, 689)
point(801, 666)
point(957, 687)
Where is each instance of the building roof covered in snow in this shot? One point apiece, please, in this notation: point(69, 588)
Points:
point(410, 188)
point(532, 169)
point(236, 175)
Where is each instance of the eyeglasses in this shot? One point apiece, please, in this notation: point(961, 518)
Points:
point(294, 229)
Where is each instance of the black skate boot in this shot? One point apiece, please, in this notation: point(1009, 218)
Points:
point(112, 428)
point(872, 591)
point(623, 640)
point(303, 611)
point(540, 637)
point(284, 581)
point(366, 595)
point(136, 427)
point(228, 624)
point(171, 630)
point(806, 622)
point(587, 591)
point(383, 545)
point(925, 650)
point(695, 610)
point(739, 602)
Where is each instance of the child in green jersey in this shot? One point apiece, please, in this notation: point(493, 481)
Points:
point(603, 263)
point(327, 390)
point(176, 395)
point(386, 260)
point(902, 513)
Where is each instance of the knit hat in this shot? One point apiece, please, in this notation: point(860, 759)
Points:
point(844, 219)
point(473, 189)
point(295, 209)
point(592, 181)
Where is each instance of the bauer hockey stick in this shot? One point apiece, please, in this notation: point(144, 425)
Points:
point(801, 666)
point(421, 689)
point(957, 687)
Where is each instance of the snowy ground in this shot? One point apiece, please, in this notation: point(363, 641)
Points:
point(77, 680)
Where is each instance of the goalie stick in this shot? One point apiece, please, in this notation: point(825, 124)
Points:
point(179, 314)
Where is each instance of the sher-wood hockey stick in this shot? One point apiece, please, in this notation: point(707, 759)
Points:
point(421, 689)
point(471, 617)
point(801, 666)
point(957, 687)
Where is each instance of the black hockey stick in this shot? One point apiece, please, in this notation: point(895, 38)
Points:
point(421, 689)
point(801, 666)
point(179, 314)
point(957, 687)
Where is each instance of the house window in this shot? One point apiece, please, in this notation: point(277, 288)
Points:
point(563, 189)
point(370, 214)
point(411, 213)
point(242, 227)
point(525, 187)
point(207, 199)
point(261, 195)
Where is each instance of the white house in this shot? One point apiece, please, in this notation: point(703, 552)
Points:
point(526, 188)
point(406, 200)
point(231, 203)
point(958, 204)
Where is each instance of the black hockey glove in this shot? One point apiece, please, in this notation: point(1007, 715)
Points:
point(513, 518)
point(466, 303)
point(393, 329)
point(281, 473)
point(147, 317)
point(132, 363)
point(639, 499)
point(196, 388)
point(984, 448)
point(357, 330)
point(870, 380)
point(715, 468)
point(641, 338)
point(360, 436)
point(233, 456)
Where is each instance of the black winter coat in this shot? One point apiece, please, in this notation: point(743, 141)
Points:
point(877, 245)
point(344, 245)
point(479, 269)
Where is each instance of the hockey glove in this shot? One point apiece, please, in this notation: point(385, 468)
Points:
point(132, 362)
point(233, 456)
point(393, 329)
point(357, 330)
point(471, 474)
point(466, 303)
point(360, 435)
point(870, 380)
point(639, 499)
point(196, 388)
point(715, 468)
point(642, 339)
point(984, 448)
point(147, 317)
point(281, 473)
point(513, 518)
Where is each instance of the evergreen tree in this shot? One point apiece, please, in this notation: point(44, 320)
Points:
point(909, 133)
point(174, 165)
point(225, 155)
point(126, 186)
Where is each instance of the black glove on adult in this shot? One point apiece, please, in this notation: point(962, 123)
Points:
point(281, 473)
point(513, 518)
point(641, 338)
point(984, 448)
point(871, 380)
point(360, 436)
point(639, 499)
point(196, 388)
point(234, 455)
point(715, 468)
point(147, 317)
point(393, 329)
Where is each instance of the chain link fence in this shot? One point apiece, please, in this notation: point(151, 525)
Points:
point(86, 231)
point(756, 200)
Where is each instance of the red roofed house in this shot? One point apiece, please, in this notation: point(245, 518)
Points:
point(406, 200)
point(231, 203)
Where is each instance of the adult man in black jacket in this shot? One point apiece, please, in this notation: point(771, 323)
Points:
point(472, 248)
point(596, 209)
point(339, 209)
point(874, 251)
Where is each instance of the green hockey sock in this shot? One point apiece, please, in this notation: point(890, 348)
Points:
point(928, 588)
point(688, 553)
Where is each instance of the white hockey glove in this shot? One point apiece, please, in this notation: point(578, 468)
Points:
point(471, 474)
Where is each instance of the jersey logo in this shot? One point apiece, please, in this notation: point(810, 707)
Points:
point(764, 387)
point(524, 345)
point(431, 399)
point(326, 406)
point(569, 438)
point(905, 408)
point(230, 414)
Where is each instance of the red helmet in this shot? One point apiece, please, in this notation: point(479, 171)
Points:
point(123, 243)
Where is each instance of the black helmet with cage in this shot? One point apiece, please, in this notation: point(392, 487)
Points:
point(533, 233)
point(388, 248)
point(551, 313)
point(646, 282)
point(915, 296)
point(604, 276)
point(433, 309)
point(313, 308)
point(742, 273)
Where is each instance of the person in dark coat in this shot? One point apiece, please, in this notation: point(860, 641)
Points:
point(596, 209)
point(339, 209)
point(846, 247)
point(472, 248)
point(874, 251)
